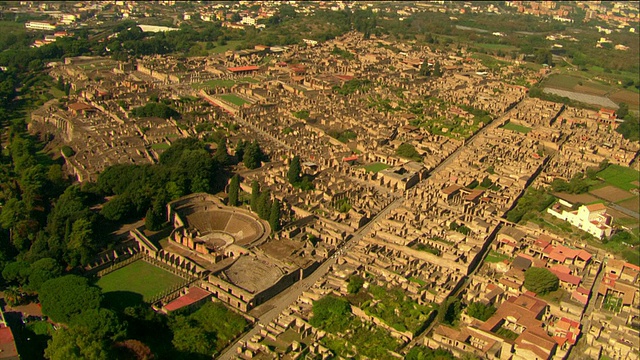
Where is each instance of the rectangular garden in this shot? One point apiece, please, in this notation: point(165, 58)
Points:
point(138, 278)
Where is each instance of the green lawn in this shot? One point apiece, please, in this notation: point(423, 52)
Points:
point(515, 127)
point(233, 99)
point(620, 176)
point(136, 282)
point(376, 167)
point(160, 146)
point(230, 45)
point(214, 83)
point(494, 257)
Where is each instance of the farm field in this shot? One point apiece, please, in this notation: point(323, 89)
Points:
point(620, 177)
point(612, 193)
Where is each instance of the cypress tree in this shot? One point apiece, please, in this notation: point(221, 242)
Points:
point(234, 188)
point(294, 170)
point(264, 205)
point(255, 193)
point(274, 216)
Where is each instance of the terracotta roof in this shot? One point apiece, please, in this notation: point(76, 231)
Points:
point(193, 295)
point(596, 207)
point(8, 348)
point(80, 106)
point(244, 68)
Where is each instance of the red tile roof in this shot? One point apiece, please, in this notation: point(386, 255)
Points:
point(8, 348)
point(193, 295)
point(244, 68)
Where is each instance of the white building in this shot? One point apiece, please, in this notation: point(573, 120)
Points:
point(39, 25)
point(248, 20)
point(590, 218)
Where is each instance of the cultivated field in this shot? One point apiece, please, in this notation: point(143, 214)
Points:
point(620, 176)
point(611, 193)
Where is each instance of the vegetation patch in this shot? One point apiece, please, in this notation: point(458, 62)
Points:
point(234, 99)
point(620, 176)
point(160, 146)
point(140, 278)
point(515, 127)
point(376, 167)
point(495, 257)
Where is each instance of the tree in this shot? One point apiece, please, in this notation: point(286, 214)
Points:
point(253, 156)
point(408, 151)
point(17, 272)
point(222, 154)
point(540, 280)
point(480, 311)
point(264, 204)
point(153, 219)
point(331, 313)
point(68, 296)
point(355, 284)
point(255, 194)
point(424, 68)
point(294, 171)
point(419, 352)
point(81, 245)
point(101, 322)
point(234, 189)
point(43, 270)
point(623, 110)
point(76, 344)
point(240, 149)
point(274, 215)
point(437, 71)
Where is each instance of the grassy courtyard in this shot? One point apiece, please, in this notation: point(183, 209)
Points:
point(376, 167)
point(136, 282)
point(515, 127)
point(234, 99)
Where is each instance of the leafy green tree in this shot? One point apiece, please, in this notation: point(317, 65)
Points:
point(331, 313)
point(81, 245)
point(43, 270)
point(274, 215)
point(101, 322)
point(480, 311)
point(222, 154)
point(154, 218)
point(117, 208)
point(68, 296)
point(450, 311)
point(294, 171)
point(234, 189)
point(355, 284)
point(17, 272)
point(623, 110)
point(408, 151)
point(424, 353)
point(253, 156)
point(76, 344)
point(540, 280)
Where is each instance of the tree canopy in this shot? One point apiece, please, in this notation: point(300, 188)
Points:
point(540, 280)
point(65, 297)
